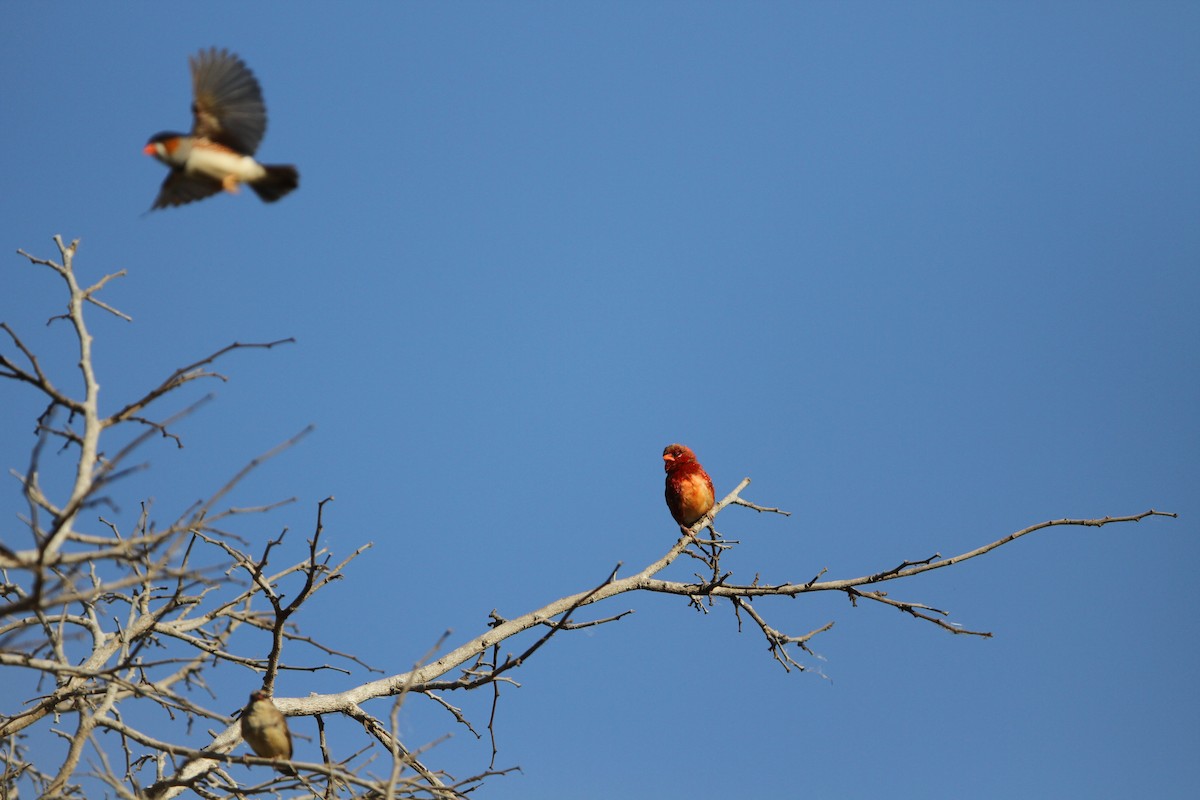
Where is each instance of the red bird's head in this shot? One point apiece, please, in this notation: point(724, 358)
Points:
point(676, 455)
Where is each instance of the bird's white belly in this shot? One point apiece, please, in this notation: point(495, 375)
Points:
point(222, 163)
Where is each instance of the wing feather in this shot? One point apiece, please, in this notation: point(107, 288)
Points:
point(227, 104)
point(180, 188)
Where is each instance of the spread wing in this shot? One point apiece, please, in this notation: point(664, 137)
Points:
point(227, 103)
point(180, 188)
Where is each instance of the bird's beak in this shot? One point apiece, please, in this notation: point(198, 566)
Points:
point(668, 457)
point(149, 149)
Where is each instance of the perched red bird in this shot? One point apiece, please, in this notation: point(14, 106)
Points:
point(689, 489)
point(229, 120)
point(265, 729)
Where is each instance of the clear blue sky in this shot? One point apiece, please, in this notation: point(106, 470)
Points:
point(928, 273)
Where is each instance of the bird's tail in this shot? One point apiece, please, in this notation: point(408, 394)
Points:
point(279, 180)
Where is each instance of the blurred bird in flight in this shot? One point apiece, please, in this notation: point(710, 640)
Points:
point(228, 122)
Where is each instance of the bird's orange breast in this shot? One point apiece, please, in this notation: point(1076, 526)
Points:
point(689, 495)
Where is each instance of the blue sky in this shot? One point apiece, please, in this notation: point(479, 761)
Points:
point(926, 272)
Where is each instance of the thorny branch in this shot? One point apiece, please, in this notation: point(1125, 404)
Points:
point(136, 615)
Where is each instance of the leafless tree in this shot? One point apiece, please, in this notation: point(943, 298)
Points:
point(122, 628)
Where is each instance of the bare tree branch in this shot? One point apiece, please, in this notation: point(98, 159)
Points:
point(119, 625)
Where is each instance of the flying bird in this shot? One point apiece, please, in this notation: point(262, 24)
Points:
point(228, 122)
point(265, 729)
point(689, 489)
